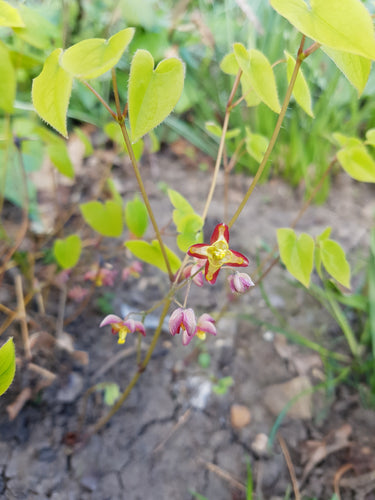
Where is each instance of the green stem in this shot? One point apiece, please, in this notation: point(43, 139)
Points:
point(221, 145)
point(103, 421)
point(100, 98)
point(273, 138)
point(120, 120)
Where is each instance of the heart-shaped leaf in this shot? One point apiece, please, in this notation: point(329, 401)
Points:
point(297, 254)
point(68, 251)
point(357, 162)
point(105, 218)
point(340, 24)
point(51, 93)
point(258, 75)
point(7, 365)
point(94, 56)
point(151, 253)
point(256, 145)
point(153, 93)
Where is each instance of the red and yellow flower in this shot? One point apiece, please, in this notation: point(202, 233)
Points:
point(217, 253)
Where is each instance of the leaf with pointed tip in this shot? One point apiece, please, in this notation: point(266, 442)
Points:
point(340, 24)
point(297, 254)
point(356, 68)
point(68, 251)
point(151, 253)
point(9, 16)
point(256, 145)
point(229, 64)
point(95, 56)
point(153, 93)
point(51, 93)
point(301, 90)
point(334, 260)
point(258, 75)
point(357, 162)
point(105, 218)
point(7, 81)
point(7, 365)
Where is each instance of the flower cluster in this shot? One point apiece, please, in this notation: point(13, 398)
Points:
point(183, 320)
point(102, 276)
point(123, 326)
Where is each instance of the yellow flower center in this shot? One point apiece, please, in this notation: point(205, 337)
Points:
point(201, 334)
point(217, 252)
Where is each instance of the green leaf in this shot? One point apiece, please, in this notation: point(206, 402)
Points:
point(334, 260)
point(9, 16)
point(114, 133)
point(216, 130)
point(57, 151)
point(258, 74)
point(95, 56)
point(105, 218)
point(324, 235)
point(85, 140)
point(189, 226)
point(116, 197)
point(229, 64)
point(68, 251)
point(370, 137)
point(136, 216)
point(317, 256)
point(37, 30)
point(346, 141)
point(152, 93)
point(179, 202)
point(7, 81)
point(51, 93)
point(356, 68)
point(301, 90)
point(256, 145)
point(357, 162)
point(340, 24)
point(297, 254)
point(7, 365)
point(151, 253)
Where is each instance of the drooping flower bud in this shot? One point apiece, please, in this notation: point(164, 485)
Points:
point(240, 282)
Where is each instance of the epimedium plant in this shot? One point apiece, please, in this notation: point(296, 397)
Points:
point(152, 94)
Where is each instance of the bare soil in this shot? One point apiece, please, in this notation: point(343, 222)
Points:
point(174, 435)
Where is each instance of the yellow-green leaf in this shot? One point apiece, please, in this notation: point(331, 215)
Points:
point(51, 93)
point(357, 162)
point(7, 79)
point(258, 75)
point(334, 260)
point(153, 93)
point(340, 24)
point(297, 254)
point(356, 68)
point(151, 253)
point(136, 216)
point(256, 145)
point(94, 56)
point(301, 90)
point(68, 251)
point(37, 30)
point(9, 16)
point(113, 131)
point(370, 137)
point(229, 64)
point(105, 218)
point(346, 141)
point(7, 365)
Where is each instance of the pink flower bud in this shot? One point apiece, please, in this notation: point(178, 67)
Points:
point(182, 320)
point(240, 282)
